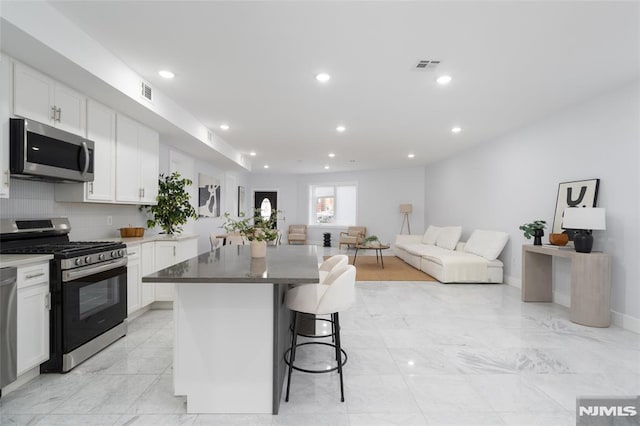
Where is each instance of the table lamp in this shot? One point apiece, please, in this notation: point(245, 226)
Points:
point(583, 220)
point(406, 209)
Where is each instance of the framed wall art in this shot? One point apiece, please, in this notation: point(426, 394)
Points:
point(580, 193)
point(208, 196)
point(240, 199)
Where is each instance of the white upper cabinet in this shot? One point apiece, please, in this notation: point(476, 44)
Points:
point(5, 113)
point(137, 151)
point(101, 129)
point(43, 99)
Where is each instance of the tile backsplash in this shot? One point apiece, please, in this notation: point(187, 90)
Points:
point(32, 199)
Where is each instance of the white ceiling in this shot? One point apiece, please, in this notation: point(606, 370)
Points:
point(252, 65)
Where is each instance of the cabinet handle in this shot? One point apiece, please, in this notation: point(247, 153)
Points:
point(59, 114)
point(132, 253)
point(174, 251)
point(6, 177)
point(142, 192)
point(90, 187)
point(39, 274)
point(53, 113)
point(47, 302)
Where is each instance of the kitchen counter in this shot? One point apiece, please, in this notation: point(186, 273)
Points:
point(234, 264)
point(232, 326)
point(7, 260)
point(156, 237)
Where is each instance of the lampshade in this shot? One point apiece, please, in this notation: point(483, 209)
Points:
point(583, 218)
point(406, 208)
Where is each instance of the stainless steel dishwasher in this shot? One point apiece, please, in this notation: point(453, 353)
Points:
point(8, 326)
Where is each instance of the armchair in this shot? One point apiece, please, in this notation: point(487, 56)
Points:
point(297, 234)
point(353, 236)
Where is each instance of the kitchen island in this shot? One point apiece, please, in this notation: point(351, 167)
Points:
point(232, 327)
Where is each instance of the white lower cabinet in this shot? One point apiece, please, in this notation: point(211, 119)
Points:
point(148, 266)
point(149, 257)
point(33, 305)
point(134, 296)
point(169, 253)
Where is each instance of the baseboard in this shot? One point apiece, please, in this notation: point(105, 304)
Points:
point(625, 321)
point(513, 281)
point(21, 380)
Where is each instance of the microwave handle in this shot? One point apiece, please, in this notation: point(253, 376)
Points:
point(86, 157)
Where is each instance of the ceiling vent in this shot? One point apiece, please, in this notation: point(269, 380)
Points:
point(426, 65)
point(146, 91)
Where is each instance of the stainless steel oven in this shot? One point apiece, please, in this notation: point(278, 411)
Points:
point(91, 305)
point(88, 285)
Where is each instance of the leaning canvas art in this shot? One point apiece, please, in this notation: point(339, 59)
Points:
point(581, 193)
point(208, 196)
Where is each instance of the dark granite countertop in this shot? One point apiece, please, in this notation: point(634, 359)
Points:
point(234, 264)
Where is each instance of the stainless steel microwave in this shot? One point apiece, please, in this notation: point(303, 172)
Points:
point(42, 152)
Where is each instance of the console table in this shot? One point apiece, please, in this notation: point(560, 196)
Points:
point(590, 282)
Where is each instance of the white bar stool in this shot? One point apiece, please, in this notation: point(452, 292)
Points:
point(332, 296)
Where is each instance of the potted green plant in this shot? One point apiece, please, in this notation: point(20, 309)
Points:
point(371, 240)
point(173, 207)
point(535, 229)
point(257, 229)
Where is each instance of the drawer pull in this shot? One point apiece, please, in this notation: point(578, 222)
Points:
point(39, 274)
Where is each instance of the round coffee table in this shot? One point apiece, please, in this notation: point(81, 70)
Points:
point(377, 247)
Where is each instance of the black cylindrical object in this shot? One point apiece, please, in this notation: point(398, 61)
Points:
point(327, 239)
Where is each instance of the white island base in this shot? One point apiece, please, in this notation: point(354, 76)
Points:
point(224, 347)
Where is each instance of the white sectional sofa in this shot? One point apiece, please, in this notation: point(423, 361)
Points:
point(440, 254)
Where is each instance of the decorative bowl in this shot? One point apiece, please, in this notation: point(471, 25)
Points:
point(131, 232)
point(559, 239)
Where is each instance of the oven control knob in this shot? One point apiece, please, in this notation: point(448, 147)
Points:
point(120, 253)
point(87, 259)
point(113, 254)
point(101, 256)
point(78, 261)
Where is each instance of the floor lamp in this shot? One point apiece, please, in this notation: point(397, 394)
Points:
point(406, 209)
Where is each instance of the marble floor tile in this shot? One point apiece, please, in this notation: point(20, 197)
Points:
point(420, 353)
point(378, 394)
point(506, 392)
point(106, 394)
point(446, 393)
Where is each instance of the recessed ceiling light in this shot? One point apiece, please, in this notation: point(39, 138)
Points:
point(323, 77)
point(224, 126)
point(166, 74)
point(456, 129)
point(331, 155)
point(341, 129)
point(411, 155)
point(266, 166)
point(252, 153)
point(326, 167)
point(444, 79)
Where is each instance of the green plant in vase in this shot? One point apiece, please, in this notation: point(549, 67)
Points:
point(371, 240)
point(173, 208)
point(534, 229)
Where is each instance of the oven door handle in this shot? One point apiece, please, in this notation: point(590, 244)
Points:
point(74, 274)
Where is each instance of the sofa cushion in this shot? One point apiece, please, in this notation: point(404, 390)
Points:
point(449, 236)
point(488, 244)
point(431, 235)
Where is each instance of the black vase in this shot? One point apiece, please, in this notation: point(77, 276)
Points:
point(537, 237)
point(583, 241)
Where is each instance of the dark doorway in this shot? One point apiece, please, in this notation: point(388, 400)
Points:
point(267, 201)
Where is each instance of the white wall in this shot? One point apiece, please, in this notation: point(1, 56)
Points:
point(513, 180)
point(380, 193)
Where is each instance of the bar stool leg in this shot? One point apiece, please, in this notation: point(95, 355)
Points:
point(292, 353)
point(339, 352)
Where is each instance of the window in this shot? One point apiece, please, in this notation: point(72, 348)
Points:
point(332, 204)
